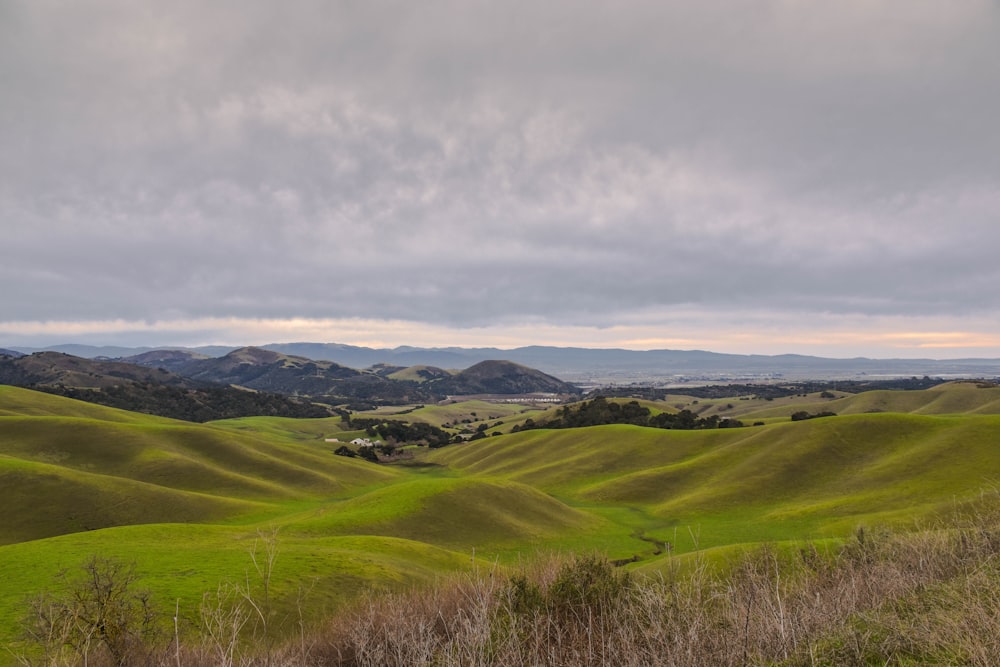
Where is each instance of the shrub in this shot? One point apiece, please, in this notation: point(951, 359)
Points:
point(100, 613)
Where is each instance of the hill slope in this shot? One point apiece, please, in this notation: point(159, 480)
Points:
point(952, 398)
point(103, 467)
point(500, 377)
point(813, 478)
point(350, 526)
point(455, 513)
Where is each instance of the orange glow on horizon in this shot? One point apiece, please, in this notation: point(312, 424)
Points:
point(831, 337)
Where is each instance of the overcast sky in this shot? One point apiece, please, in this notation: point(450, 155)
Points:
point(745, 176)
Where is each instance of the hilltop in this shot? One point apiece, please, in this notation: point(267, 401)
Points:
point(500, 377)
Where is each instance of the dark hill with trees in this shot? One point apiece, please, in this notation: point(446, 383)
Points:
point(257, 368)
point(171, 360)
point(138, 388)
point(266, 370)
point(256, 381)
point(501, 377)
point(57, 368)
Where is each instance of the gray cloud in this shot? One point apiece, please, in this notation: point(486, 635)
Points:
point(477, 163)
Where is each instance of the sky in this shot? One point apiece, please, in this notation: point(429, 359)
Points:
point(749, 176)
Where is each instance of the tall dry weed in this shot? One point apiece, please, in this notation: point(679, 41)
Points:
point(924, 597)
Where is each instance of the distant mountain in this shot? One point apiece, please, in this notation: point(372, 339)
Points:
point(500, 377)
point(600, 366)
point(413, 373)
point(10, 353)
point(143, 389)
point(366, 357)
point(117, 352)
point(170, 360)
point(58, 368)
point(625, 366)
point(267, 370)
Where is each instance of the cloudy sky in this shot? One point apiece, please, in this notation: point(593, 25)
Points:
point(745, 176)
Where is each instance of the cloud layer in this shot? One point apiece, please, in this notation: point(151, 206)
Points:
point(476, 166)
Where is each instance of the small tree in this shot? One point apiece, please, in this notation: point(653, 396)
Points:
point(100, 610)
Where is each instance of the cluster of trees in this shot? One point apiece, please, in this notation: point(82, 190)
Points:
point(193, 405)
point(602, 411)
point(802, 415)
point(772, 391)
point(367, 453)
point(393, 430)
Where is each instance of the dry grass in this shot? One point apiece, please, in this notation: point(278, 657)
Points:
point(931, 597)
point(926, 598)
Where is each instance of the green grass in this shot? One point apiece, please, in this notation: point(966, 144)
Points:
point(102, 467)
point(182, 562)
point(457, 513)
point(285, 428)
point(454, 413)
point(17, 402)
point(806, 479)
point(952, 398)
point(186, 501)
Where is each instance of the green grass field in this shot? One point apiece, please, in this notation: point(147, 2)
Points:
point(186, 502)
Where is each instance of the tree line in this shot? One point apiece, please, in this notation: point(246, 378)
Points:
point(600, 411)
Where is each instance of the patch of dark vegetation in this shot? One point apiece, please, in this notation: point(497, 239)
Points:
point(499, 377)
point(600, 411)
point(771, 391)
point(802, 415)
point(397, 431)
point(194, 405)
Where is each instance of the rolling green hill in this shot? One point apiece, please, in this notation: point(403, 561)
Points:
point(180, 564)
point(953, 398)
point(186, 501)
point(456, 513)
point(810, 479)
point(103, 467)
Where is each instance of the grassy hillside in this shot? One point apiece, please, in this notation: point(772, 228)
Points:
point(453, 512)
point(419, 373)
point(806, 479)
point(952, 398)
point(186, 502)
point(18, 402)
point(461, 413)
point(181, 563)
point(103, 467)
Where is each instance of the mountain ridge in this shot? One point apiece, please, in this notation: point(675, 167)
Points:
point(255, 381)
point(577, 364)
